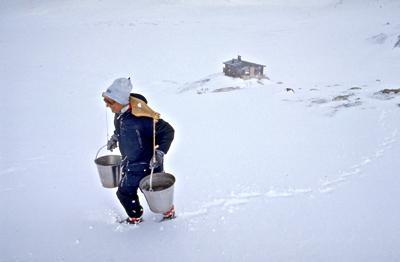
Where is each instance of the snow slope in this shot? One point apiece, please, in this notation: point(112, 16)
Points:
point(262, 173)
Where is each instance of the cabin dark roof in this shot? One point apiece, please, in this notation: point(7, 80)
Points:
point(240, 63)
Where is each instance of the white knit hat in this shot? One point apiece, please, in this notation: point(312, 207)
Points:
point(119, 90)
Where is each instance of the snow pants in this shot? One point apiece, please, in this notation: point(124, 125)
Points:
point(128, 189)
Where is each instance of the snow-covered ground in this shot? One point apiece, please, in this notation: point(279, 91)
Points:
point(263, 174)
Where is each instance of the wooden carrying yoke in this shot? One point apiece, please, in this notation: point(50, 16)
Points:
point(140, 108)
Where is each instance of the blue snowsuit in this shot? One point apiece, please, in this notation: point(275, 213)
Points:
point(135, 139)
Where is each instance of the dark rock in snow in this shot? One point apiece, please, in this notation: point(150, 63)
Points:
point(387, 93)
point(226, 89)
point(397, 43)
point(390, 91)
point(342, 97)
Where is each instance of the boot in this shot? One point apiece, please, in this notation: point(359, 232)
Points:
point(133, 220)
point(170, 214)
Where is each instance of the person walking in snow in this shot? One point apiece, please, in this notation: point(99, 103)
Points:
point(134, 137)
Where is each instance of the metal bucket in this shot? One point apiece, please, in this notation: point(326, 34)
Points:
point(109, 168)
point(160, 197)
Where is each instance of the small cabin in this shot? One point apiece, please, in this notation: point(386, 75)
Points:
point(243, 69)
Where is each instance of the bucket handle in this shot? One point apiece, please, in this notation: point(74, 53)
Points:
point(98, 151)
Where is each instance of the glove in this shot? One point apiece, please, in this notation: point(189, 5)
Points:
point(157, 160)
point(112, 143)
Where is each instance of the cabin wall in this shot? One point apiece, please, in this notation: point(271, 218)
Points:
point(244, 72)
point(232, 71)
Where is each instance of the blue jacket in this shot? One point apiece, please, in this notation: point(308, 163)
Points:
point(135, 140)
